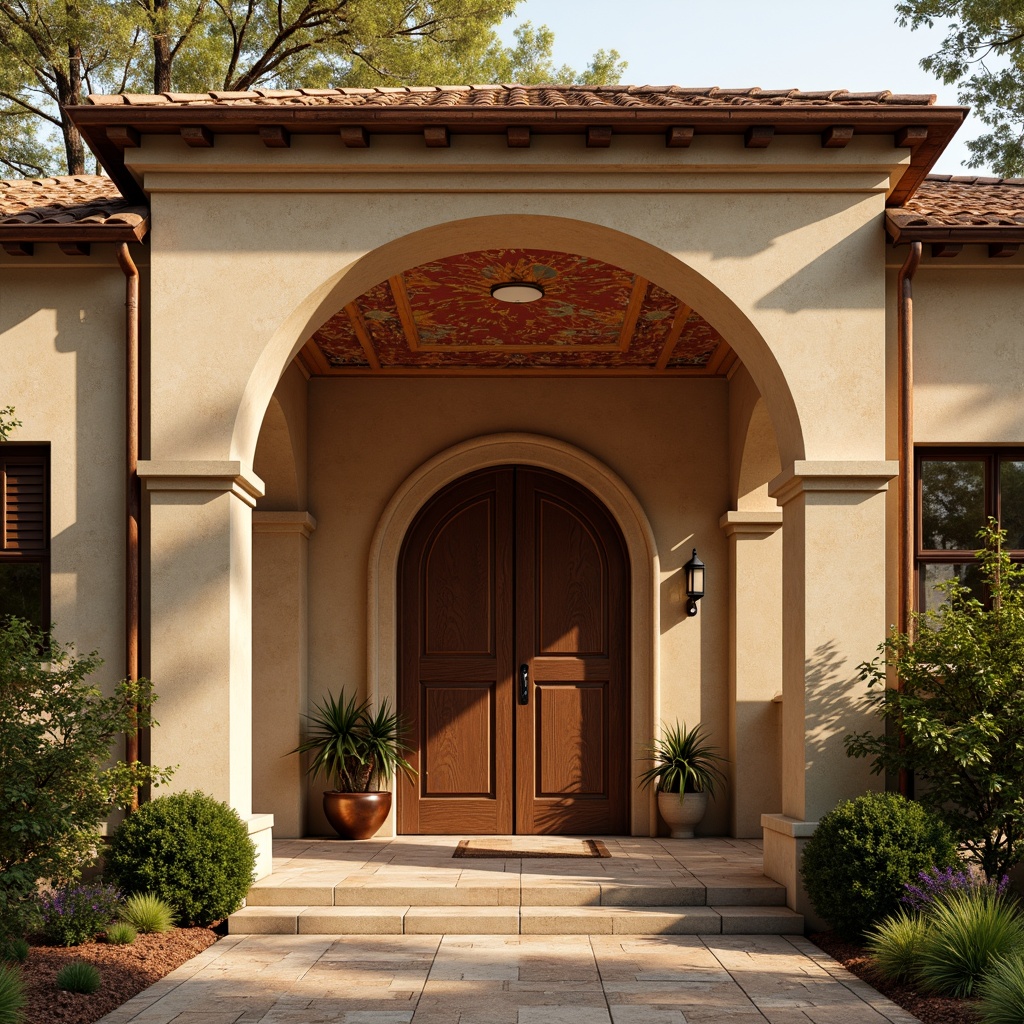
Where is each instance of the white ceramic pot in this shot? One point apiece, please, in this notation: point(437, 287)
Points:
point(682, 815)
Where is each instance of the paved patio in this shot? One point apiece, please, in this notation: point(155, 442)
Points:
point(598, 979)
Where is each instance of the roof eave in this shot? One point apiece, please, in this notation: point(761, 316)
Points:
point(74, 233)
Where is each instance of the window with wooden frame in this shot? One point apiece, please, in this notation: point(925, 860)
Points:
point(958, 489)
point(25, 533)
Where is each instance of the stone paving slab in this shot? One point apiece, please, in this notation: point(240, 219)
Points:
point(510, 979)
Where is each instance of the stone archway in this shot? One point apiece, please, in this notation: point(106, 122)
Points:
point(546, 453)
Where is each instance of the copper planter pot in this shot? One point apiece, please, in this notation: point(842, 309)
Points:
point(356, 815)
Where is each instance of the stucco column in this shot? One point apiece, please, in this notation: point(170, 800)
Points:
point(755, 665)
point(200, 594)
point(280, 614)
point(833, 618)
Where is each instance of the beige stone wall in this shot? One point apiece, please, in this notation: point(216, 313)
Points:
point(62, 366)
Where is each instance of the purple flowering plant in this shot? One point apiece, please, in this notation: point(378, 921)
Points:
point(73, 914)
point(933, 885)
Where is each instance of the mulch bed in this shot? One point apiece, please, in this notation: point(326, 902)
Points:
point(125, 971)
point(927, 1008)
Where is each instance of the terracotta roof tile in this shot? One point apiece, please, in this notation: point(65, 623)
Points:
point(527, 95)
point(958, 202)
point(87, 199)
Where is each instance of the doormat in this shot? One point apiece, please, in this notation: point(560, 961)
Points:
point(531, 848)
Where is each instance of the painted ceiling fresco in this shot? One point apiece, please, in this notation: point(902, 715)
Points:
point(593, 316)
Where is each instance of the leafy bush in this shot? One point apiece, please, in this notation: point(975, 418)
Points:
point(12, 995)
point(933, 885)
point(967, 933)
point(147, 913)
point(895, 945)
point(73, 914)
point(862, 854)
point(121, 934)
point(14, 950)
point(960, 709)
point(1002, 992)
point(188, 849)
point(78, 976)
point(56, 732)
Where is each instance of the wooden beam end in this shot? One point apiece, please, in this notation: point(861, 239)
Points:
point(198, 136)
point(437, 137)
point(911, 136)
point(124, 136)
point(1002, 250)
point(275, 136)
point(18, 248)
point(679, 137)
point(355, 136)
point(599, 137)
point(946, 250)
point(838, 136)
point(75, 248)
point(759, 136)
point(518, 137)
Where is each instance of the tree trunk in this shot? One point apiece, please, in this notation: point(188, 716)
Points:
point(162, 57)
point(69, 92)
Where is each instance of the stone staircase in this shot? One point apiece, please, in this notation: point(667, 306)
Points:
point(412, 885)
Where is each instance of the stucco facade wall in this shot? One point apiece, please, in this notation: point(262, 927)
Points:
point(62, 367)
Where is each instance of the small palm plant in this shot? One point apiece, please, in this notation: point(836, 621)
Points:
point(354, 747)
point(683, 762)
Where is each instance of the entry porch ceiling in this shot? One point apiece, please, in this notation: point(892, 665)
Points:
point(594, 318)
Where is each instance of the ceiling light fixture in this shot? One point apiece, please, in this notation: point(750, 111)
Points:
point(517, 291)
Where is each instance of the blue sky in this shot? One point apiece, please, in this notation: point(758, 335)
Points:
point(802, 44)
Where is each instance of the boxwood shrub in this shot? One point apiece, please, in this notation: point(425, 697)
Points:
point(192, 851)
point(862, 854)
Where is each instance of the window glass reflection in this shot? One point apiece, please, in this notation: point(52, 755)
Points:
point(1011, 501)
point(952, 503)
point(933, 573)
point(21, 591)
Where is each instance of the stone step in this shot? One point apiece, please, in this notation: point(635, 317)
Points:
point(512, 894)
point(515, 920)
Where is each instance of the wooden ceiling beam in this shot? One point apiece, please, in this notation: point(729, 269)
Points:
point(405, 314)
point(675, 332)
point(363, 334)
point(632, 314)
point(718, 358)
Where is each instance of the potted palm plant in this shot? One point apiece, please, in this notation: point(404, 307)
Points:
point(685, 771)
point(359, 750)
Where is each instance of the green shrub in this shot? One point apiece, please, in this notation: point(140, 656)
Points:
point(14, 950)
point(121, 934)
point(75, 913)
point(12, 995)
point(188, 849)
point(147, 913)
point(895, 945)
point(967, 932)
point(1002, 992)
point(78, 976)
point(862, 854)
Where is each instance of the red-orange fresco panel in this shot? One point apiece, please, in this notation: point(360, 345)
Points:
point(576, 325)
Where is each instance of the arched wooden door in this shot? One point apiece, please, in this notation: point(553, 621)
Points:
point(514, 659)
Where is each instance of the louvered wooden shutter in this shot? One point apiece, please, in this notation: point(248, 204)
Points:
point(23, 500)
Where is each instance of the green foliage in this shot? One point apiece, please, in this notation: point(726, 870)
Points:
point(120, 933)
point(14, 950)
point(967, 932)
point(960, 707)
point(352, 746)
point(895, 945)
point(12, 995)
point(73, 914)
point(683, 762)
point(7, 421)
point(862, 854)
point(56, 732)
point(983, 52)
point(1002, 992)
point(188, 849)
point(196, 46)
point(147, 913)
point(78, 976)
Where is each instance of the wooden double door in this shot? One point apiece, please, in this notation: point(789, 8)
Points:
point(514, 660)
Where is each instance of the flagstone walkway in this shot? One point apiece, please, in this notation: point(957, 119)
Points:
point(510, 979)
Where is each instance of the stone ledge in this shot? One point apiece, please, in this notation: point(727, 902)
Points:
point(792, 827)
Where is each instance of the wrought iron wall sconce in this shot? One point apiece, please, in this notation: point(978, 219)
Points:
point(694, 574)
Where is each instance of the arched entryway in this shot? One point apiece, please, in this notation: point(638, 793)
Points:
point(514, 659)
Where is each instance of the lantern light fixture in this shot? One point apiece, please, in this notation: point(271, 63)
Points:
point(517, 291)
point(694, 574)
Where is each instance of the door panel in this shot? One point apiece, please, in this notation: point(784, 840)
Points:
point(510, 567)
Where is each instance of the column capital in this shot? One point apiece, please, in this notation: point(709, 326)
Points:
point(226, 476)
point(865, 477)
point(283, 522)
point(758, 523)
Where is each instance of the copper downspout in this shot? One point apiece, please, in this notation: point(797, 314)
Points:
point(905, 373)
point(132, 490)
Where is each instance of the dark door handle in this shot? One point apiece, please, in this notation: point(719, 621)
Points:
point(524, 684)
